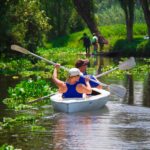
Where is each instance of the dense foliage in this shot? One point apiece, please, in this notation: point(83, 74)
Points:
point(35, 23)
point(23, 23)
point(115, 34)
point(30, 88)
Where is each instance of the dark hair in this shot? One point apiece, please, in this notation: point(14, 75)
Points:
point(81, 62)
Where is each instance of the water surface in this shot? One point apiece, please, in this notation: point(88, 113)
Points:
point(122, 124)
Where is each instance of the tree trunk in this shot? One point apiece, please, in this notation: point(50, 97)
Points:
point(128, 7)
point(131, 20)
point(146, 9)
point(85, 8)
point(146, 94)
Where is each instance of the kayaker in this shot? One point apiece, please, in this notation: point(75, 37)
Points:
point(81, 64)
point(72, 87)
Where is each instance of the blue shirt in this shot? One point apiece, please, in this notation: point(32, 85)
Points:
point(93, 84)
point(71, 91)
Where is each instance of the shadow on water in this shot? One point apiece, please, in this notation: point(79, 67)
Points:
point(5, 83)
point(146, 91)
point(129, 84)
point(135, 92)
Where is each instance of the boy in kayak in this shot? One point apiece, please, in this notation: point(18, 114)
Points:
point(72, 88)
point(81, 64)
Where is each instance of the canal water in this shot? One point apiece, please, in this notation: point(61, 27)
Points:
point(123, 124)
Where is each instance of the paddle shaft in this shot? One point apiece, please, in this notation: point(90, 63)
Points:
point(39, 99)
point(48, 61)
point(126, 65)
point(107, 72)
point(25, 51)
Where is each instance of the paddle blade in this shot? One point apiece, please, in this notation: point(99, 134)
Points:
point(130, 63)
point(118, 90)
point(19, 49)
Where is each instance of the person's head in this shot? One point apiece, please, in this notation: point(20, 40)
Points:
point(74, 74)
point(82, 64)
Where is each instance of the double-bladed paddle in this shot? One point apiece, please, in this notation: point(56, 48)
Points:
point(115, 89)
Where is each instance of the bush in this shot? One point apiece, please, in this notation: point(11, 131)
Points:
point(26, 90)
point(143, 48)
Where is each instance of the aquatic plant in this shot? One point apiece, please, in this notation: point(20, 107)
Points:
point(8, 147)
point(37, 128)
point(13, 66)
point(139, 72)
point(27, 90)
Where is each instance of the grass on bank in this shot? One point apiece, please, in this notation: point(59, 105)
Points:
point(115, 34)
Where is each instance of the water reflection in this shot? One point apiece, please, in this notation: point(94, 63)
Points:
point(117, 126)
point(5, 83)
point(146, 91)
point(73, 131)
point(100, 64)
point(131, 126)
point(129, 84)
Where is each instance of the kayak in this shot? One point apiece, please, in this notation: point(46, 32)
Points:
point(87, 103)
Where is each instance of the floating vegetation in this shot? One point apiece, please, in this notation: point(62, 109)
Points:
point(139, 72)
point(25, 91)
point(37, 128)
point(9, 123)
point(10, 66)
point(8, 147)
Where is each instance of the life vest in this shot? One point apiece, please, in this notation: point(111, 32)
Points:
point(71, 92)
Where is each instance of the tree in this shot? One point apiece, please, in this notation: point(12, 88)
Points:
point(64, 17)
point(85, 9)
point(146, 9)
point(23, 23)
point(60, 13)
point(128, 7)
point(5, 24)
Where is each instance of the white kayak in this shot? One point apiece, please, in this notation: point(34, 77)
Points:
point(88, 103)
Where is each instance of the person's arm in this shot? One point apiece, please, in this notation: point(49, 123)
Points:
point(93, 84)
point(88, 86)
point(60, 84)
point(81, 88)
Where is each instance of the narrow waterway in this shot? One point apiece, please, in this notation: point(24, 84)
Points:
point(123, 124)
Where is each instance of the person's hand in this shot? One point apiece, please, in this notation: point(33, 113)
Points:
point(57, 66)
point(87, 78)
